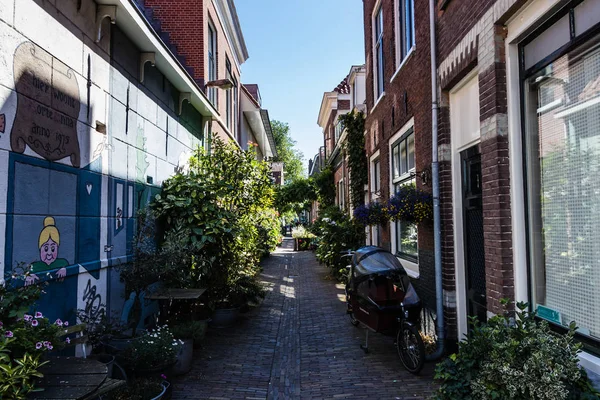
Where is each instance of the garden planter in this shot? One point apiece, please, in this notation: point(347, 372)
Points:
point(198, 341)
point(225, 317)
point(184, 358)
point(106, 359)
point(116, 344)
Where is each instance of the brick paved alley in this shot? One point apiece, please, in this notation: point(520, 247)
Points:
point(299, 344)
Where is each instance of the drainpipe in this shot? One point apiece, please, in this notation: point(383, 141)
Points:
point(435, 171)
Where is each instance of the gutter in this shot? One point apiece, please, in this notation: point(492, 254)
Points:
point(435, 171)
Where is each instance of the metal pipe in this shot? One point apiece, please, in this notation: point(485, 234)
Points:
point(437, 226)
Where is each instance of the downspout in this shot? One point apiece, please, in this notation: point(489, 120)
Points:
point(435, 171)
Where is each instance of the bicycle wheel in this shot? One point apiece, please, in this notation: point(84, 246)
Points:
point(410, 348)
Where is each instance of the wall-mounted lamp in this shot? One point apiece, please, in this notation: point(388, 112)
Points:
point(220, 83)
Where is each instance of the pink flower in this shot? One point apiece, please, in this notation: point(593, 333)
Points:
point(27, 317)
point(46, 343)
point(38, 345)
point(8, 334)
point(66, 323)
point(68, 340)
point(39, 315)
point(163, 376)
point(58, 322)
point(34, 322)
point(50, 347)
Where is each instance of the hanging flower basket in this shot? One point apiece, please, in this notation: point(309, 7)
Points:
point(372, 214)
point(411, 205)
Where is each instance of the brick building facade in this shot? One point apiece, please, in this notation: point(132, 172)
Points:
point(517, 83)
point(398, 126)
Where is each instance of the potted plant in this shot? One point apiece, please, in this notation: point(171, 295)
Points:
point(231, 298)
point(153, 353)
point(190, 332)
point(142, 389)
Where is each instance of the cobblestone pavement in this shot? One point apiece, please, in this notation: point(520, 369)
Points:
point(298, 344)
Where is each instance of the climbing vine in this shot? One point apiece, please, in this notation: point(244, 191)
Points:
point(354, 123)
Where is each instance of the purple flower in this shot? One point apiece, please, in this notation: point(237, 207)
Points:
point(58, 322)
point(38, 345)
point(68, 340)
point(8, 334)
point(39, 315)
point(1, 324)
point(66, 323)
point(50, 347)
point(45, 343)
point(27, 317)
point(34, 322)
point(163, 376)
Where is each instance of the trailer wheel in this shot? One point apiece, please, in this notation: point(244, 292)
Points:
point(410, 348)
point(353, 319)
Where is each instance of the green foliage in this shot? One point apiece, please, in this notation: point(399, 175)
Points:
point(17, 376)
point(155, 349)
point(518, 358)
point(293, 169)
point(224, 204)
point(337, 233)
point(354, 123)
point(324, 184)
point(189, 330)
point(296, 195)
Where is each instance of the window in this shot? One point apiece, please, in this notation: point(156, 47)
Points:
point(212, 63)
point(405, 29)
point(376, 175)
point(228, 95)
point(339, 128)
point(353, 94)
point(562, 140)
point(379, 52)
point(341, 196)
point(403, 167)
point(403, 157)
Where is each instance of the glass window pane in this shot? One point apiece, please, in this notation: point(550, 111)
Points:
point(403, 163)
point(563, 165)
point(396, 161)
point(411, 152)
point(406, 239)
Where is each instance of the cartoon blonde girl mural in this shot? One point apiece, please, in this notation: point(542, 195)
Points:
point(48, 243)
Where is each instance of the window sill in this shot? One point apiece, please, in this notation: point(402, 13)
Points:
point(378, 100)
point(411, 268)
point(412, 50)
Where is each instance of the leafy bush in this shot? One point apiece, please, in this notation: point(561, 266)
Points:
point(336, 233)
point(518, 359)
point(154, 349)
point(225, 204)
point(17, 377)
point(189, 330)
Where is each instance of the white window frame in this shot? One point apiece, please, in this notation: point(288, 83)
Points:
point(212, 61)
point(378, 67)
point(412, 268)
point(399, 27)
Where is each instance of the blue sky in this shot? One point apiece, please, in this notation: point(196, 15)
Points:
point(300, 49)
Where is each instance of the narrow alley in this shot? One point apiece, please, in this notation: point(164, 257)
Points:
point(299, 344)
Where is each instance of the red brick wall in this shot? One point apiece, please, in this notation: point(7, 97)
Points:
point(184, 21)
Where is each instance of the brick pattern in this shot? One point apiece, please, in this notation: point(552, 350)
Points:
point(299, 344)
point(183, 20)
point(407, 96)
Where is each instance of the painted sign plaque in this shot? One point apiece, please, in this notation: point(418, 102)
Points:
point(47, 105)
point(549, 314)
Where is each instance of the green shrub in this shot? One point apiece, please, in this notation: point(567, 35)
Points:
point(17, 377)
point(336, 234)
point(518, 358)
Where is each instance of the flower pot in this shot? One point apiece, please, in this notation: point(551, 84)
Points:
point(116, 344)
point(198, 341)
point(184, 358)
point(106, 359)
point(225, 317)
